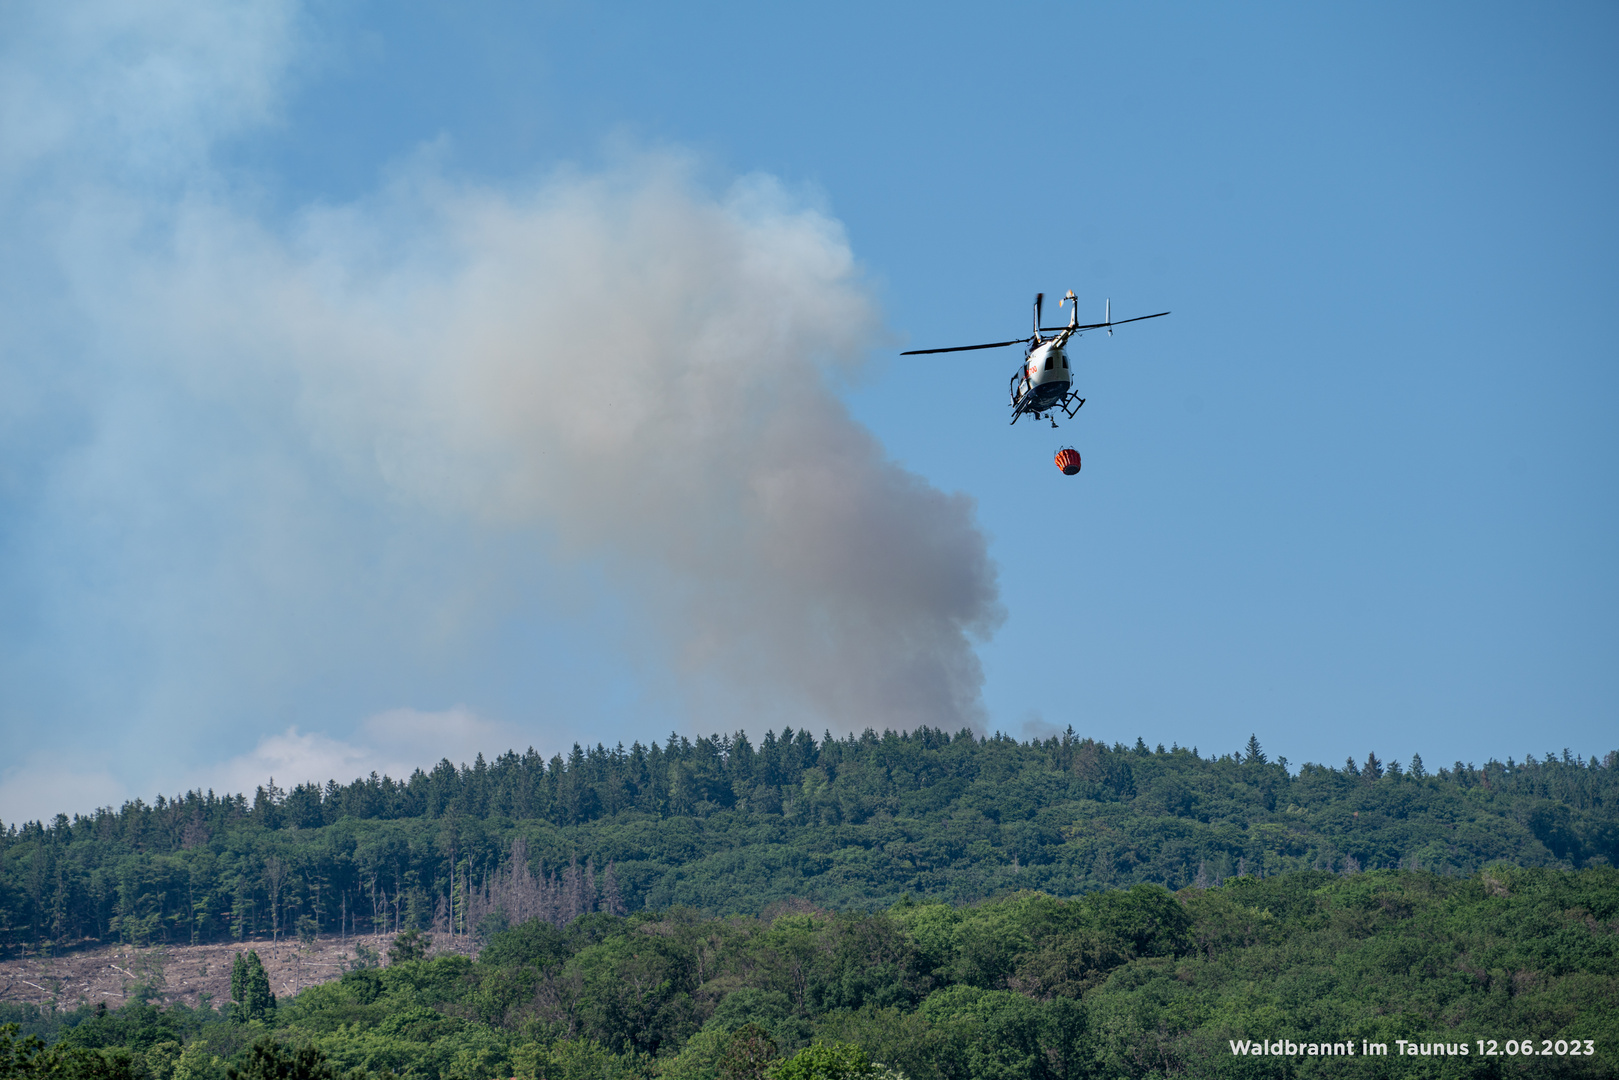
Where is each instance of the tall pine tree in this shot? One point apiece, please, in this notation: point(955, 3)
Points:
point(250, 994)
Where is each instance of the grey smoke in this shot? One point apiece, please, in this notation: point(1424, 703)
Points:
point(646, 373)
point(282, 426)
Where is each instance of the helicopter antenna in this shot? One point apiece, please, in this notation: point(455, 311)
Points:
point(1039, 301)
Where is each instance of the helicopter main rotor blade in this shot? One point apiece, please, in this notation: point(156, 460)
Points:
point(1103, 325)
point(966, 348)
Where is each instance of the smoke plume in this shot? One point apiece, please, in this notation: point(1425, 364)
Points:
point(645, 373)
point(619, 374)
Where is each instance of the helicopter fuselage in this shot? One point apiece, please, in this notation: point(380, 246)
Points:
point(1044, 382)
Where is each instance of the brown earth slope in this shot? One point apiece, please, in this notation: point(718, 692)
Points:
point(175, 972)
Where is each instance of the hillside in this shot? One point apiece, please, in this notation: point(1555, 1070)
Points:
point(723, 826)
point(1521, 966)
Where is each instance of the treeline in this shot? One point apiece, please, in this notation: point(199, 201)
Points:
point(725, 826)
point(1520, 966)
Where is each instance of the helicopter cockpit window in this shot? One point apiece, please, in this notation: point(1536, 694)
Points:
point(1050, 359)
point(1065, 363)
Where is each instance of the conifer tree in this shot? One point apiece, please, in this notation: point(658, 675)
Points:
point(410, 946)
point(250, 994)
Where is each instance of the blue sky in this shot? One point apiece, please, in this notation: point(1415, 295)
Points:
point(301, 469)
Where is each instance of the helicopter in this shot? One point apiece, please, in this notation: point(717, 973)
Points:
point(1044, 382)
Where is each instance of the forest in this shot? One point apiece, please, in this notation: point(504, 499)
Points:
point(724, 827)
point(1519, 966)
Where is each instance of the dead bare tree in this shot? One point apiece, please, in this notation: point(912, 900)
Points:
point(558, 897)
point(275, 877)
point(612, 902)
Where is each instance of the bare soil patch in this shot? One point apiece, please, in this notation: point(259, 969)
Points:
point(111, 973)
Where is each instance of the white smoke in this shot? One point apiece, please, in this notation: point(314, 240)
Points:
point(394, 743)
point(616, 370)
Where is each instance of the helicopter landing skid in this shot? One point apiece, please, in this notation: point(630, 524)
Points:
point(1077, 404)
